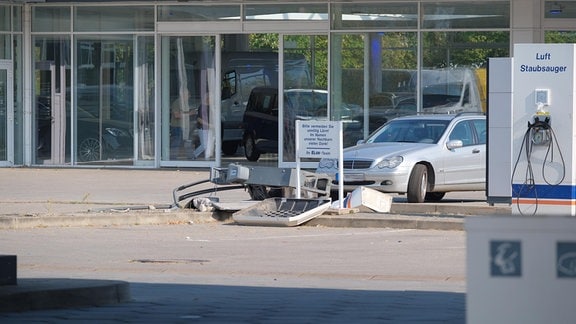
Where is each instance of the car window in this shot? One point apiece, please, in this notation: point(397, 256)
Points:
point(462, 131)
point(480, 126)
point(266, 103)
point(308, 102)
point(411, 131)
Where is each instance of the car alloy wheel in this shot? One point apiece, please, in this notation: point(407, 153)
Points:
point(89, 149)
point(418, 184)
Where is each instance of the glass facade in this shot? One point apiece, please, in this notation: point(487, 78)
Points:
point(144, 98)
point(299, 102)
point(94, 87)
point(212, 12)
point(11, 87)
point(399, 15)
point(51, 19)
point(559, 9)
point(466, 15)
point(52, 110)
point(3, 115)
point(113, 18)
point(18, 97)
point(6, 18)
point(188, 95)
point(286, 12)
point(560, 36)
point(109, 81)
point(104, 99)
point(371, 81)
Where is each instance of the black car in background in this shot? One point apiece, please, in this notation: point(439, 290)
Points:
point(97, 139)
point(261, 124)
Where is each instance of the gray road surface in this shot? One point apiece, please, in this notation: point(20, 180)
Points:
point(217, 273)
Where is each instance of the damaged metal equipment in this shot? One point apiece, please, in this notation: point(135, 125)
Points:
point(260, 182)
point(282, 211)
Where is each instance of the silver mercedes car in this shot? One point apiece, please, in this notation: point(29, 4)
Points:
point(422, 156)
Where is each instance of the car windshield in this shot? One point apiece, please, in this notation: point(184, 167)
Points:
point(411, 131)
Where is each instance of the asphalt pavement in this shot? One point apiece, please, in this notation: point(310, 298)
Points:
point(39, 198)
point(214, 273)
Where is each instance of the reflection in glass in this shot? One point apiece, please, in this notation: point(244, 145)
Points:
point(188, 109)
point(478, 14)
point(462, 58)
point(286, 12)
point(3, 115)
point(392, 58)
point(17, 18)
point(559, 9)
point(104, 100)
point(52, 100)
point(5, 18)
point(18, 100)
point(347, 79)
point(51, 19)
point(560, 36)
point(305, 85)
point(199, 13)
point(144, 75)
point(5, 47)
point(114, 18)
point(375, 15)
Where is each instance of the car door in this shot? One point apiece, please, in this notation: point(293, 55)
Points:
point(261, 115)
point(466, 166)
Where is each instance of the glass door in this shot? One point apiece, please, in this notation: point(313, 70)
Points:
point(51, 107)
point(305, 87)
point(6, 114)
point(144, 125)
point(50, 114)
point(189, 109)
point(104, 101)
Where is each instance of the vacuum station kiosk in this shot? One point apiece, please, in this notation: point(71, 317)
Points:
point(522, 268)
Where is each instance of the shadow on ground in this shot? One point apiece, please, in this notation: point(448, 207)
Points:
point(245, 304)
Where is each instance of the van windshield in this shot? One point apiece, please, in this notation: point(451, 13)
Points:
point(406, 80)
point(307, 102)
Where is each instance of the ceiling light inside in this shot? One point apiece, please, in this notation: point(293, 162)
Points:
point(556, 9)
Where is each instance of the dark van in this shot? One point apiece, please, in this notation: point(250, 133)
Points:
point(260, 119)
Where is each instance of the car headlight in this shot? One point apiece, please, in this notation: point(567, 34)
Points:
point(390, 163)
point(328, 164)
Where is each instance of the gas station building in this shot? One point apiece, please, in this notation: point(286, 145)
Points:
point(125, 84)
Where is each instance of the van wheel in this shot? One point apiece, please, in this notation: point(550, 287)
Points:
point(435, 196)
point(418, 184)
point(257, 192)
point(230, 147)
point(250, 150)
point(261, 192)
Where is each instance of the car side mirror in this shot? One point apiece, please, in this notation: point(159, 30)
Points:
point(454, 144)
point(360, 142)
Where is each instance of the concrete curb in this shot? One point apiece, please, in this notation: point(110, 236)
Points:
point(390, 221)
point(37, 294)
point(415, 216)
point(462, 209)
point(107, 219)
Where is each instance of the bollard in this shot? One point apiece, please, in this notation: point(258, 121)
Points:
point(7, 270)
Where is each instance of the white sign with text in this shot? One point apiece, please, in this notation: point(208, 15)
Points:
point(318, 139)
